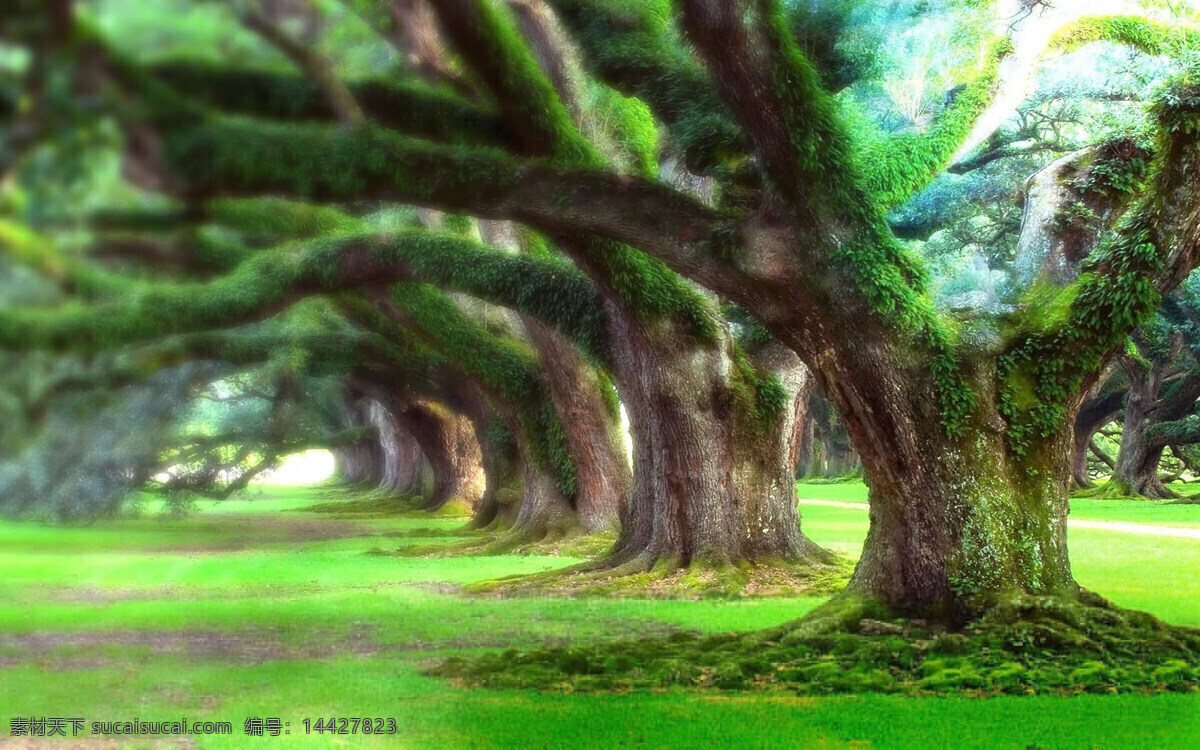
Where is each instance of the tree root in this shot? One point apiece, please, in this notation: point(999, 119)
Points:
point(1021, 645)
point(645, 577)
point(378, 505)
point(500, 541)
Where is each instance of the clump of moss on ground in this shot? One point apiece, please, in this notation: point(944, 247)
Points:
point(384, 506)
point(1022, 646)
point(669, 581)
point(497, 542)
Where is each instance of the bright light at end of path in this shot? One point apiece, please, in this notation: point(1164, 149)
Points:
point(309, 467)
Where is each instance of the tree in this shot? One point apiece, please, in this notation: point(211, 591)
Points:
point(963, 421)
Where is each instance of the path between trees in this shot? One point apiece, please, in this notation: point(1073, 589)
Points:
point(1117, 526)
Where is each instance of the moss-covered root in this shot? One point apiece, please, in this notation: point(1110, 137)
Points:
point(1023, 645)
point(384, 504)
point(498, 539)
point(669, 580)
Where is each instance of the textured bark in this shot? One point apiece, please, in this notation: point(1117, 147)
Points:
point(1098, 410)
point(448, 441)
point(708, 488)
point(403, 464)
point(955, 522)
point(592, 428)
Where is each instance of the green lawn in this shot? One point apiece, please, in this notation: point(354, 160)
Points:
point(254, 608)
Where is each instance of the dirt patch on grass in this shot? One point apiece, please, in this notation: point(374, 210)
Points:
point(246, 531)
point(86, 649)
point(98, 649)
point(98, 595)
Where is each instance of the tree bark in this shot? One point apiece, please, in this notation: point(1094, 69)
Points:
point(710, 488)
point(448, 441)
point(955, 521)
point(1136, 471)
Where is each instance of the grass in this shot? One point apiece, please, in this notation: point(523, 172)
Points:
point(256, 608)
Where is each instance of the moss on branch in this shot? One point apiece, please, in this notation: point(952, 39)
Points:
point(1120, 286)
point(895, 168)
point(271, 280)
point(408, 107)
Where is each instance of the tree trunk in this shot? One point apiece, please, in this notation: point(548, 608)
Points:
point(955, 521)
point(402, 470)
point(1136, 472)
point(448, 441)
point(592, 429)
point(710, 486)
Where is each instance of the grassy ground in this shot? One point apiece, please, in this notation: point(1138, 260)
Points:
point(256, 609)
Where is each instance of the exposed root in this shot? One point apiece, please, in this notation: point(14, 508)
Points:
point(1022, 645)
point(642, 577)
point(1113, 490)
point(383, 506)
point(510, 543)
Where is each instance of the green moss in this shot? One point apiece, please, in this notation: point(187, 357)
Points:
point(629, 44)
point(406, 106)
point(760, 395)
point(1142, 34)
point(1116, 292)
point(896, 167)
point(1023, 645)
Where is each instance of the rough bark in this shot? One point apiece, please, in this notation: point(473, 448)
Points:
point(954, 521)
point(448, 441)
point(1102, 405)
point(709, 488)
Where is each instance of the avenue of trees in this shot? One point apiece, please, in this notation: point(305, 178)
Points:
point(944, 246)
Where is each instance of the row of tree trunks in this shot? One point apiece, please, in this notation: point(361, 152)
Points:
point(590, 419)
point(824, 451)
point(1101, 406)
point(592, 427)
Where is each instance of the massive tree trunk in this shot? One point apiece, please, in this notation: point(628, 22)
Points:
point(955, 521)
point(711, 485)
point(448, 441)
